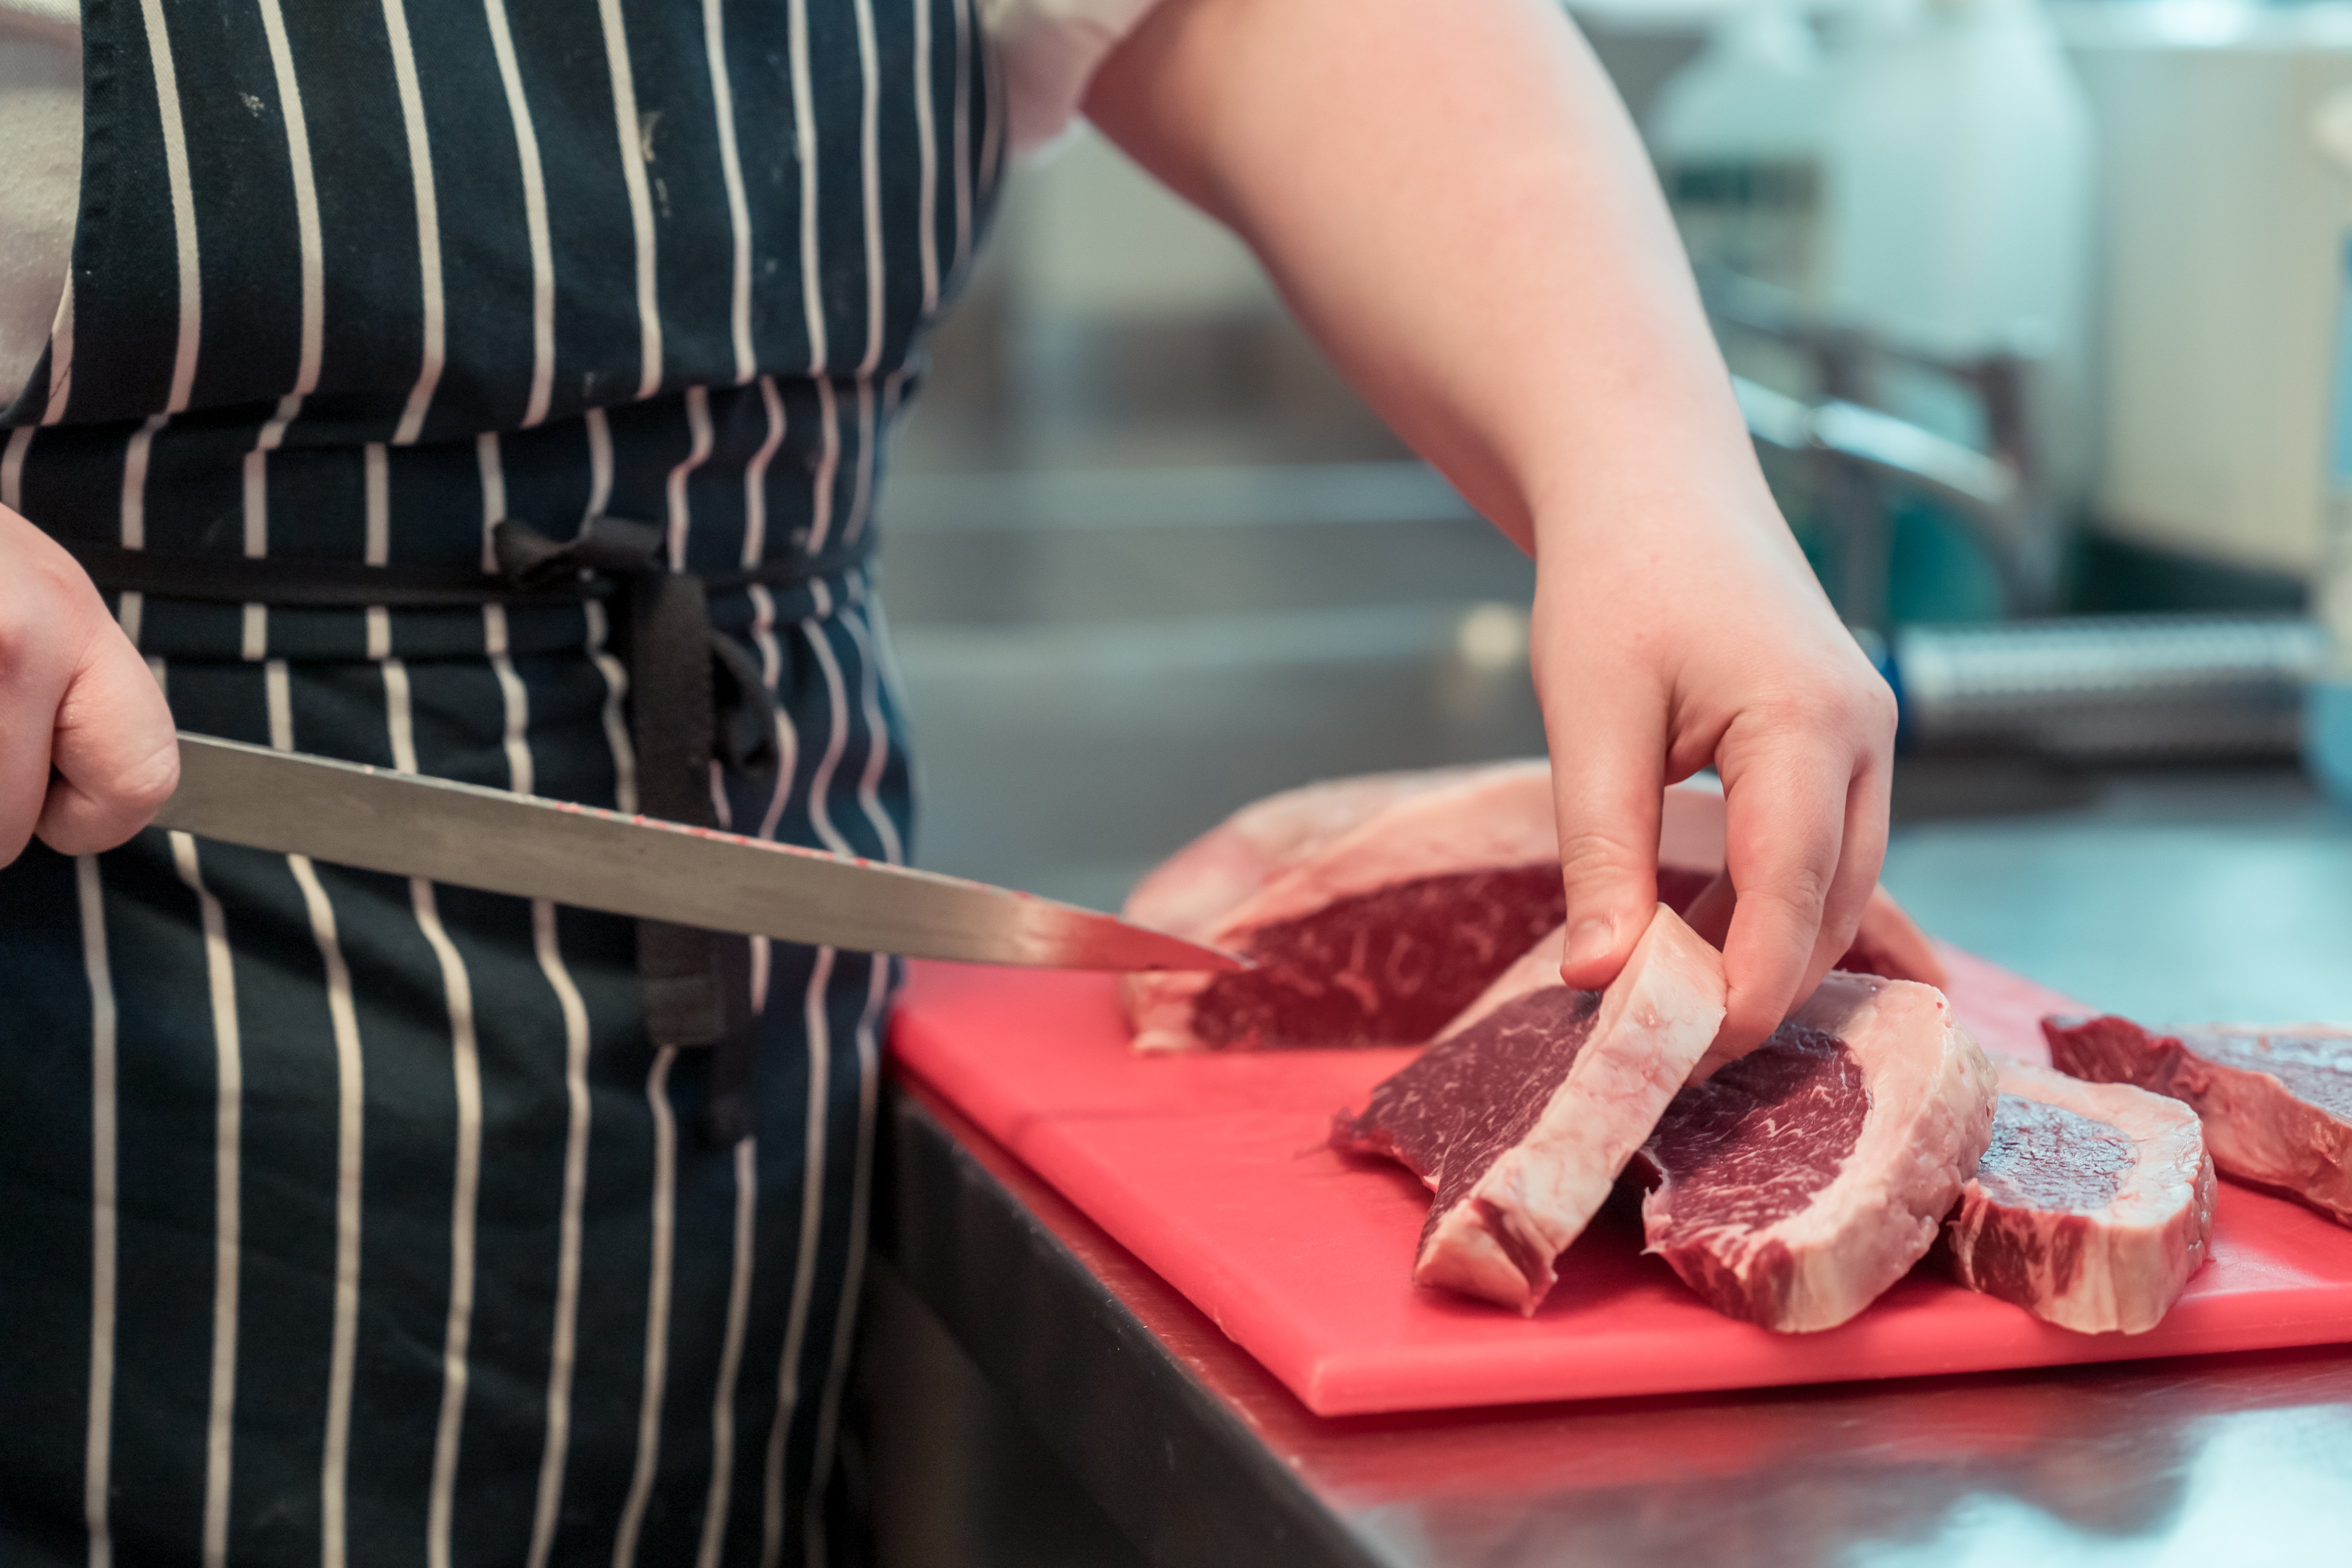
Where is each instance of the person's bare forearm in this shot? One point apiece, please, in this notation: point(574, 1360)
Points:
point(1450, 196)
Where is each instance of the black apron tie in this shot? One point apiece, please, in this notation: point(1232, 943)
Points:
point(696, 696)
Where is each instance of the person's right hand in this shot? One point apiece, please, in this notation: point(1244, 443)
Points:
point(87, 754)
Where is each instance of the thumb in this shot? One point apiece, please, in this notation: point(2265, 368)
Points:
point(1608, 778)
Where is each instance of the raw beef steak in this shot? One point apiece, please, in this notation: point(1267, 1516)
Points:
point(1804, 1178)
point(1520, 1116)
point(2091, 1207)
point(2276, 1103)
point(1377, 907)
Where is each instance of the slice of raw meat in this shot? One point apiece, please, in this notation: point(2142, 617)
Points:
point(1804, 1178)
point(1196, 888)
point(2276, 1103)
point(1521, 1116)
point(1377, 907)
point(2091, 1207)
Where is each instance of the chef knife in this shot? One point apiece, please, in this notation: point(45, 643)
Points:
point(380, 820)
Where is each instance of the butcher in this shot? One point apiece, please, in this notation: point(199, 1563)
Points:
point(344, 1219)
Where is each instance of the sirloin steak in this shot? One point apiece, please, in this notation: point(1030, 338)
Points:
point(2276, 1103)
point(1376, 908)
point(2092, 1206)
point(1807, 1176)
point(1522, 1114)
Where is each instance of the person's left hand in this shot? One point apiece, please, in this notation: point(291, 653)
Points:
point(1455, 202)
point(1682, 637)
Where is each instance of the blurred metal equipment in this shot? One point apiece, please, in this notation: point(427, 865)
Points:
point(1864, 454)
point(1252, 495)
point(2121, 688)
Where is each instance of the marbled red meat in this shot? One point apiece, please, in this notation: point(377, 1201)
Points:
point(1389, 967)
point(1522, 1114)
point(1309, 881)
point(1753, 1144)
point(2276, 1103)
point(2044, 1157)
point(2092, 1206)
point(1804, 1178)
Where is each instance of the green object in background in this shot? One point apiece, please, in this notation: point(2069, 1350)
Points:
point(1813, 539)
point(2327, 737)
point(2114, 576)
point(1936, 571)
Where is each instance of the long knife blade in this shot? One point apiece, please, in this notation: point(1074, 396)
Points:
point(352, 814)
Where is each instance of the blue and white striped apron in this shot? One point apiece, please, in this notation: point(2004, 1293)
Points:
point(350, 1220)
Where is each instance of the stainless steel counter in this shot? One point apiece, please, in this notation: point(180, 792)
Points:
point(2212, 894)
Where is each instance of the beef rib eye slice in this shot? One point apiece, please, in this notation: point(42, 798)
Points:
point(1804, 1178)
point(2276, 1103)
point(1377, 907)
point(2092, 1206)
point(1374, 910)
point(1522, 1114)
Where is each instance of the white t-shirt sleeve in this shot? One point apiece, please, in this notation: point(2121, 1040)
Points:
point(40, 173)
point(1049, 50)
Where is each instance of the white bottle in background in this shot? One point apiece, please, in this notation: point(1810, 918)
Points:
point(1960, 168)
point(1738, 136)
point(1927, 175)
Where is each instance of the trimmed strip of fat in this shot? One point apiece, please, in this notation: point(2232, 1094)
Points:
point(1532, 1183)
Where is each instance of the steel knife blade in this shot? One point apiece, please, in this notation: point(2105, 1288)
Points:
point(380, 820)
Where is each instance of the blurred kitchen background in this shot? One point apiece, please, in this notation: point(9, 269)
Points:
point(2038, 313)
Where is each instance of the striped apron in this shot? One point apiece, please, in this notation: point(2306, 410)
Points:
point(352, 1219)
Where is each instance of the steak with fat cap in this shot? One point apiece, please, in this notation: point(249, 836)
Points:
point(1522, 1114)
point(2092, 1206)
point(1807, 1176)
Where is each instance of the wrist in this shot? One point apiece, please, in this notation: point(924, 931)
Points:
point(1695, 525)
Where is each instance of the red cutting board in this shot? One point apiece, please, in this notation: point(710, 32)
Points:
point(1211, 1169)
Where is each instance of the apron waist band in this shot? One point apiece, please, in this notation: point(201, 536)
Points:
point(695, 695)
point(282, 582)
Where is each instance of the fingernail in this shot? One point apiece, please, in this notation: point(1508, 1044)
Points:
point(1589, 942)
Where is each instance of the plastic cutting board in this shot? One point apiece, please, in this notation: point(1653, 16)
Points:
point(1211, 1169)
